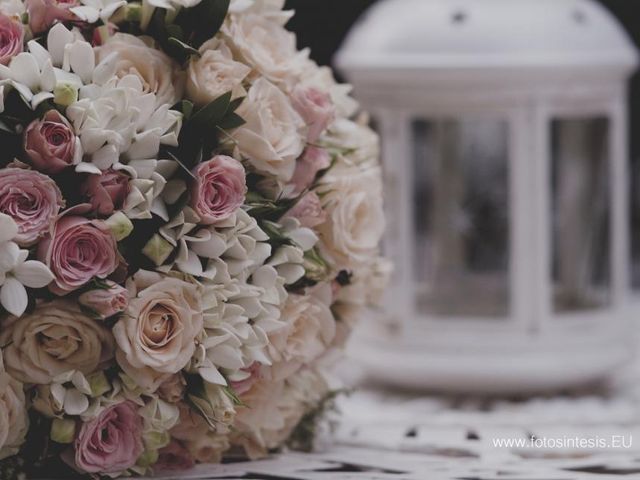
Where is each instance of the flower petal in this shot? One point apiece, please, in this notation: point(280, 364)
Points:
point(33, 274)
point(13, 297)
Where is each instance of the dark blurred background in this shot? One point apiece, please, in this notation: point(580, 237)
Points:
point(323, 24)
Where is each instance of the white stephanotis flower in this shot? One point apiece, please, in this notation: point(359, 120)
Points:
point(68, 61)
point(233, 248)
point(117, 122)
point(16, 272)
point(93, 10)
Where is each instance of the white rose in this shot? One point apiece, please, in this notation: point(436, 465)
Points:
point(356, 142)
point(54, 339)
point(238, 6)
point(308, 330)
point(137, 56)
point(322, 78)
point(14, 421)
point(156, 336)
point(352, 198)
point(214, 73)
point(274, 135)
point(258, 38)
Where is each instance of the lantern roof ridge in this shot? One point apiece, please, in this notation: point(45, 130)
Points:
point(450, 34)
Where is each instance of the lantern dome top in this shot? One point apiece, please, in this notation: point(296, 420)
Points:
point(444, 34)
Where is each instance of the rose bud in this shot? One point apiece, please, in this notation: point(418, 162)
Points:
point(50, 143)
point(106, 302)
point(106, 192)
point(11, 39)
point(313, 160)
point(44, 13)
point(316, 108)
point(308, 211)
point(32, 200)
point(219, 189)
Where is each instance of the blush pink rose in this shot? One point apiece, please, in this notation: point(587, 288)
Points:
point(308, 211)
point(107, 192)
point(50, 143)
point(11, 39)
point(219, 189)
point(32, 200)
point(174, 457)
point(77, 251)
point(243, 386)
point(111, 442)
point(316, 108)
point(106, 302)
point(308, 165)
point(44, 13)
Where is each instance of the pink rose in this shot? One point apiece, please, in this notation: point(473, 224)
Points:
point(111, 442)
point(106, 192)
point(106, 302)
point(174, 457)
point(44, 13)
point(77, 251)
point(32, 200)
point(312, 161)
point(316, 108)
point(308, 211)
point(50, 143)
point(11, 38)
point(219, 190)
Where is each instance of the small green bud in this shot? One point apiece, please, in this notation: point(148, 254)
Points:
point(64, 94)
point(148, 458)
point(133, 12)
point(63, 430)
point(157, 250)
point(99, 384)
point(120, 225)
point(156, 440)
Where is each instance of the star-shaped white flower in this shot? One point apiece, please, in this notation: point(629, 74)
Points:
point(16, 272)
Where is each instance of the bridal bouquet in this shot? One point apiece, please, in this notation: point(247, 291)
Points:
point(190, 211)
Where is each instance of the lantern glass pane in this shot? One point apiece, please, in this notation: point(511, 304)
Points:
point(461, 217)
point(580, 167)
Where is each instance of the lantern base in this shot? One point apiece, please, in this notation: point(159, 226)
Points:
point(517, 367)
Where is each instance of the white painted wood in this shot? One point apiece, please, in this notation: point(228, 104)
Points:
point(526, 62)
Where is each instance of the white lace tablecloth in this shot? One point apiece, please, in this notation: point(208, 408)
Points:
point(385, 436)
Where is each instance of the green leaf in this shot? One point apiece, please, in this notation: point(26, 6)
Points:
point(185, 50)
point(210, 115)
point(231, 122)
point(205, 19)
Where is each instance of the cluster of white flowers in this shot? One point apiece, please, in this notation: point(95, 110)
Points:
point(189, 223)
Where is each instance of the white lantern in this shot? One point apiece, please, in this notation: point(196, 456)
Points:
point(504, 135)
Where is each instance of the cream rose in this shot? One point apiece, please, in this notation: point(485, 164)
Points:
point(156, 336)
point(357, 143)
point(274, 135)
point(55, 338)
point(14, 421)
point(258, 39)
point(137, 56)
point(205, 443)
point(214, 73)
point(352, 199)
point(309, 329)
